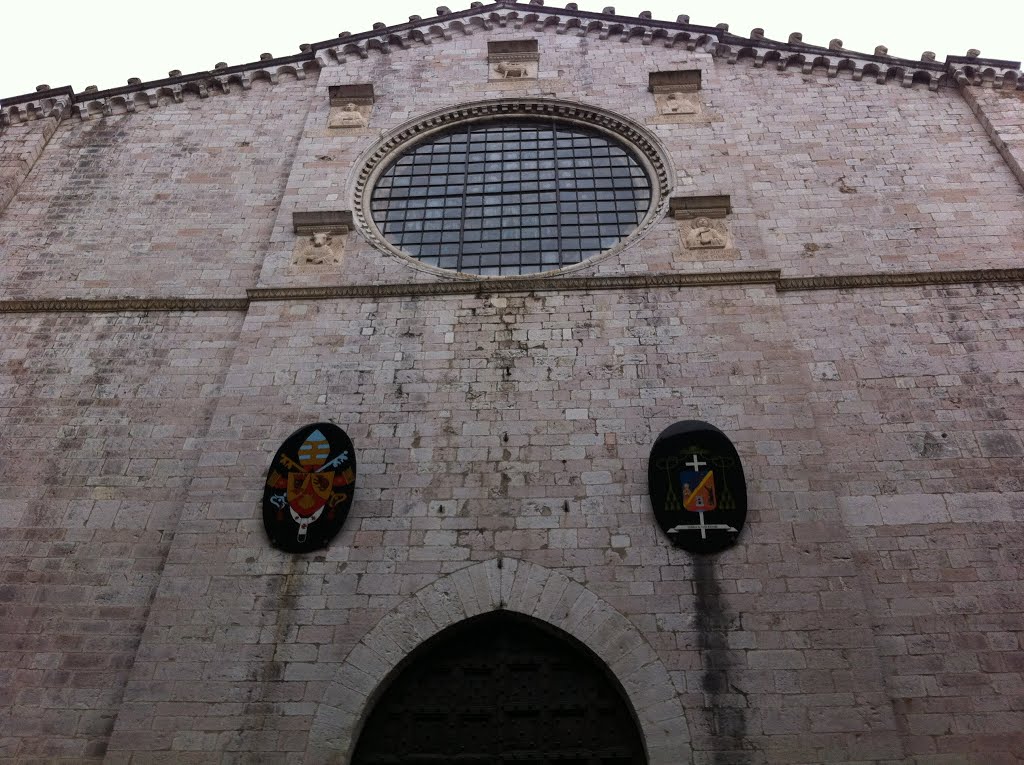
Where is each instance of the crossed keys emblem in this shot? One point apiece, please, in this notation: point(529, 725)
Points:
point(312, 482)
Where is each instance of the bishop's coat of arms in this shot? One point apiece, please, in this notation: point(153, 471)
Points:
point(697, 487)
point(309, 488)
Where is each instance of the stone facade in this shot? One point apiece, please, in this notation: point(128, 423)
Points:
point(858, 334)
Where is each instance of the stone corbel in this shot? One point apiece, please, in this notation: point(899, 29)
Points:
point(321, 237)
point(350, 106)
point(702, 224)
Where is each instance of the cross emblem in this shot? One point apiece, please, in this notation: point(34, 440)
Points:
point(694, 463)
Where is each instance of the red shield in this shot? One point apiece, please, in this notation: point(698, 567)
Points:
point(309, 492)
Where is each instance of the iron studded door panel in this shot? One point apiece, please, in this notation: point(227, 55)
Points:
point(499, 691)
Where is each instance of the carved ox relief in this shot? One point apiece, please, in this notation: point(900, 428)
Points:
point(321, 248)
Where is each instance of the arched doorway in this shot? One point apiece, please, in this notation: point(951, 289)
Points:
point(496, 690)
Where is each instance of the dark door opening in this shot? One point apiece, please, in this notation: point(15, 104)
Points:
point(498, 690)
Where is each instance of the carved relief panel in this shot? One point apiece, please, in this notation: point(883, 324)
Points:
point(677, 104)
point(705, 234)
point(322, 248)
point(351, 106)
point(702, 224)
point(677, 95)
point(321, 238)
point(513, 60)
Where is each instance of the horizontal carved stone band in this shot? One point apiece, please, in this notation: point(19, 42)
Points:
point(116, 305)
point(526, 284)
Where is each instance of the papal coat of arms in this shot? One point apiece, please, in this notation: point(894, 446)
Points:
point(697, 487)
point(309, 488)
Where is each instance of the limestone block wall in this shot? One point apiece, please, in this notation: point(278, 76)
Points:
point(827, 175)
point(20, 147)
point(918, 403)
point(101, 420)
point(177, 200)
point(853, 177)
point(410, 83)
point(871, 610)
point(854, 621)
point(921, 414)
point(1001, 113)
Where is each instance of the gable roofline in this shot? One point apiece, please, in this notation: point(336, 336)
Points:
point(964, 70)
point(478, 9)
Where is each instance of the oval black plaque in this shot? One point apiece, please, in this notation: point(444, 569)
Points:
point(309, 488)
point(697, 487)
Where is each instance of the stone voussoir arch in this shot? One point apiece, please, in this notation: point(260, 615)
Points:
point(516, 586)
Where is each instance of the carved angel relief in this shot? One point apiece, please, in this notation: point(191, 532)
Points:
point(705, 234)
point(350, 106)
point(349, 116)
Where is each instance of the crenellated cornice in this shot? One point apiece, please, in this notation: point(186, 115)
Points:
point(45, 103)
point(879, 66)
point(92, 104)
point(480, 17)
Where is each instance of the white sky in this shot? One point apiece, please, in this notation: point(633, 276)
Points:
point(104, 42)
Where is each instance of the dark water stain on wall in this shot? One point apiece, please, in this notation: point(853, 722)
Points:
point(726, 722)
